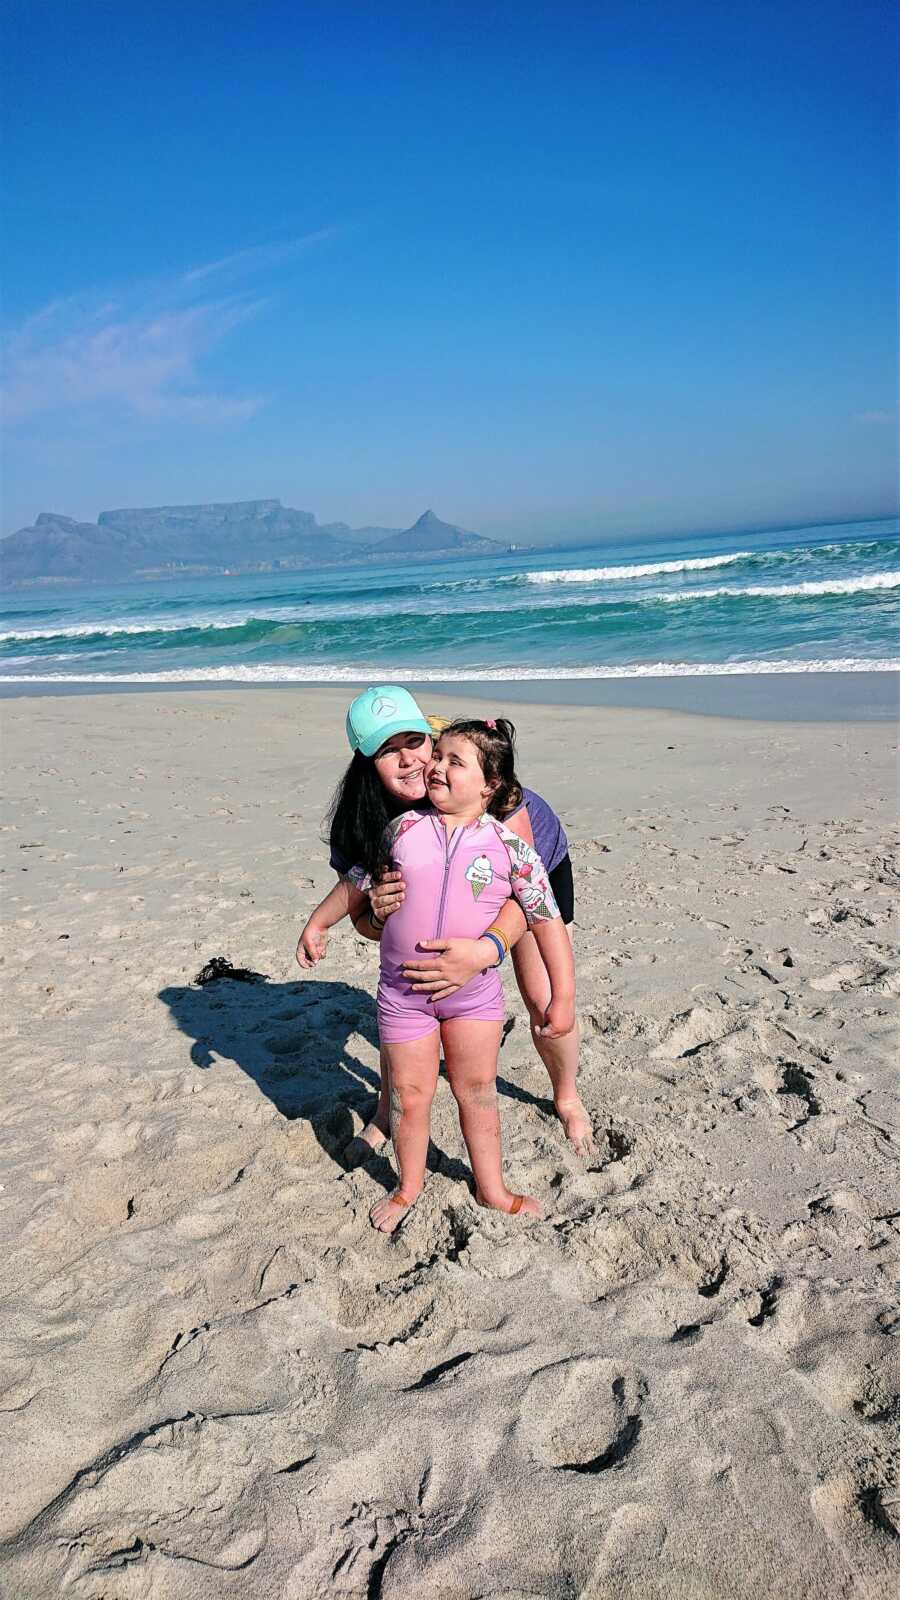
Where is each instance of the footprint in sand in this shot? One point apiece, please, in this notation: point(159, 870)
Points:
point(848, 1509)
point(633, 1540)
point(691, 1031)
point(583, 1415)
point(850, 975)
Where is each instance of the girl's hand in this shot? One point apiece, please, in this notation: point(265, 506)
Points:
point(312, 944)
point(559, 1019)
point(386, 896)
point(452, 963)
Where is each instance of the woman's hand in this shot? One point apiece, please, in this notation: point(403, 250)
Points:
point(386, 896)
point(452, 963)
point(312, 944)
point(559, 1019)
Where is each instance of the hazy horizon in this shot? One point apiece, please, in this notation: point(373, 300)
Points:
point(563, 539)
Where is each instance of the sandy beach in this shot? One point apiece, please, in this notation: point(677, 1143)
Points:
point(218, 1380)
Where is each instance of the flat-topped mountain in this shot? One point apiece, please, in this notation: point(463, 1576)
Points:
point(228, 537)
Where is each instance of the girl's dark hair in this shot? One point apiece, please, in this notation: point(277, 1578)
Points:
point(358, 816)
point(495, 742)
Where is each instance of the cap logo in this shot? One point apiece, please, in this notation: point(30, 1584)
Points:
point(382, 706)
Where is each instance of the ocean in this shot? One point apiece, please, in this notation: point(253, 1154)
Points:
point(815, 600)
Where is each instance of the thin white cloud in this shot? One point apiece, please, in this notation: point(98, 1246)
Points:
point(141, 351)
point(260, 258)
point(74, 359)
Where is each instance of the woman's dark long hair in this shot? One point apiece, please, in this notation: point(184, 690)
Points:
point(358, 816)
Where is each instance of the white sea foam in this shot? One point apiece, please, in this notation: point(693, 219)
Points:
point(650, 569)
point(422, 606)
point(784, 591)
point(279, 673)
point(187, 624)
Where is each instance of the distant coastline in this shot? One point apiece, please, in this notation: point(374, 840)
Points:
point(172, 574)
point(226, 539)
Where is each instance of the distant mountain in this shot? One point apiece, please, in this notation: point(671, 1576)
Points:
point(430, 536)
point(162, 540)
point(234, 536)
point(364, 536)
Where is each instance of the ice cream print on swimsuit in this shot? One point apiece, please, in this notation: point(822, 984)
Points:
point(534, 892)
point(480, 874)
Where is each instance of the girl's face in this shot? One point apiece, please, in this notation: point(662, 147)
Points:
point(454, 779)
point(400, 764)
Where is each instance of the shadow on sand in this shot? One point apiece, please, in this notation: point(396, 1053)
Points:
point(295, 1041)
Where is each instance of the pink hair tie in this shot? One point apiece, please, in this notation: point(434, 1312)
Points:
point(489, 722)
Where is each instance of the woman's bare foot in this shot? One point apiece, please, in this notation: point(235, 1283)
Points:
point(577, 1127)
point(388, 1213)
point(515, 1205)
point(363, 1144)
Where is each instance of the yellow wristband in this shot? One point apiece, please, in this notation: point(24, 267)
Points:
point(498, 934)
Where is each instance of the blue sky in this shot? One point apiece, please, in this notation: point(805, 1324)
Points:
point(553, 270)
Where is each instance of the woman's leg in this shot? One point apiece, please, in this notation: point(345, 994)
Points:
point(413, 1070)
point(373, 1135)
point(560, 1056)
point(470, 1053)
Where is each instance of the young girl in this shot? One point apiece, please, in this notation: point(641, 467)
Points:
point(460, 864)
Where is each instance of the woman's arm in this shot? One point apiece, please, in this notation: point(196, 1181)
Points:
point(367, 923)
point(453, 962)
point(344, 899)
point(556, 950)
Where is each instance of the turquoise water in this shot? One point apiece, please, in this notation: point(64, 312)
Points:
point(816, 599)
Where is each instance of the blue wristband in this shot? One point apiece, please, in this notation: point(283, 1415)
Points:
point(500, 950)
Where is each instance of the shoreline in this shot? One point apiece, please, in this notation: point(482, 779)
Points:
point(826, 697)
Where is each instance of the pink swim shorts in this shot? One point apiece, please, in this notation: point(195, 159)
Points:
point(404, 1016)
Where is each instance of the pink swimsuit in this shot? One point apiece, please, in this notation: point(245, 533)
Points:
point(456, 882)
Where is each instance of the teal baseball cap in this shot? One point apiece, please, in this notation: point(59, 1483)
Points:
point(379, 712)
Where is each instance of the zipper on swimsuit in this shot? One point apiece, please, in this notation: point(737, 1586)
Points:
point(449, 852)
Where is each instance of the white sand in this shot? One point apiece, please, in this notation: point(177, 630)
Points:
point(217, 1380)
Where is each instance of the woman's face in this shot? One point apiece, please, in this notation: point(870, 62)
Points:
point(400, 764)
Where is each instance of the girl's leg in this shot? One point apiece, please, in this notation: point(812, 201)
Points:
point(560, 1056)
point(413, 1071)
point(470, 1054)
point(375, 1132)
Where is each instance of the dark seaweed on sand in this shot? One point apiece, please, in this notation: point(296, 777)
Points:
point(220, 967)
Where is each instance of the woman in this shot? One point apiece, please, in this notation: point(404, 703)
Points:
point(391, 741)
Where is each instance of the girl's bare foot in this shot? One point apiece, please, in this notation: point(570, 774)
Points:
point(515, 1205)
point(577, 1126)
point(388, 1213)
point(363, 1144)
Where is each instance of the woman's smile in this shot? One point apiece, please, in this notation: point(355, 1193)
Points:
point(401, 765)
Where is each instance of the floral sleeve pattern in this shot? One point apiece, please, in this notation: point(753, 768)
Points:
point(528, 879)
point(359, 877)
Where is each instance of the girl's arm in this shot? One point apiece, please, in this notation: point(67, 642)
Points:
point(344, 899)
point(454, 962)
